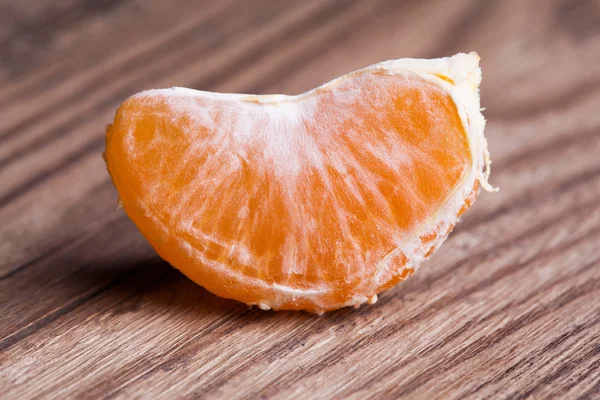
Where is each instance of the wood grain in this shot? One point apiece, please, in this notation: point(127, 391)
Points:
point(508, 308)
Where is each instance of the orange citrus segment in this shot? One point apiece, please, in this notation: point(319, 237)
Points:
point(313, 202)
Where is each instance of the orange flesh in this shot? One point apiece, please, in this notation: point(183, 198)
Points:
point(307, 193)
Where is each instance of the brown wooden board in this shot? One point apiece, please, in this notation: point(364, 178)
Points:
point(508, 308)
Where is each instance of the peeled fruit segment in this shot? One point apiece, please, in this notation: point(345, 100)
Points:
point(312, 202)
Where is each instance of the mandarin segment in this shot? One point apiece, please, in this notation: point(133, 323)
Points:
point(309, 202)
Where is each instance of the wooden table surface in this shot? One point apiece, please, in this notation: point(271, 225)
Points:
point(508, 308)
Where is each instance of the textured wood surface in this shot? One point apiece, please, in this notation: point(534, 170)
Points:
point(508, 308)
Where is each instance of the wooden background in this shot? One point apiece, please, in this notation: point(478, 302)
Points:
point(508, 308)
